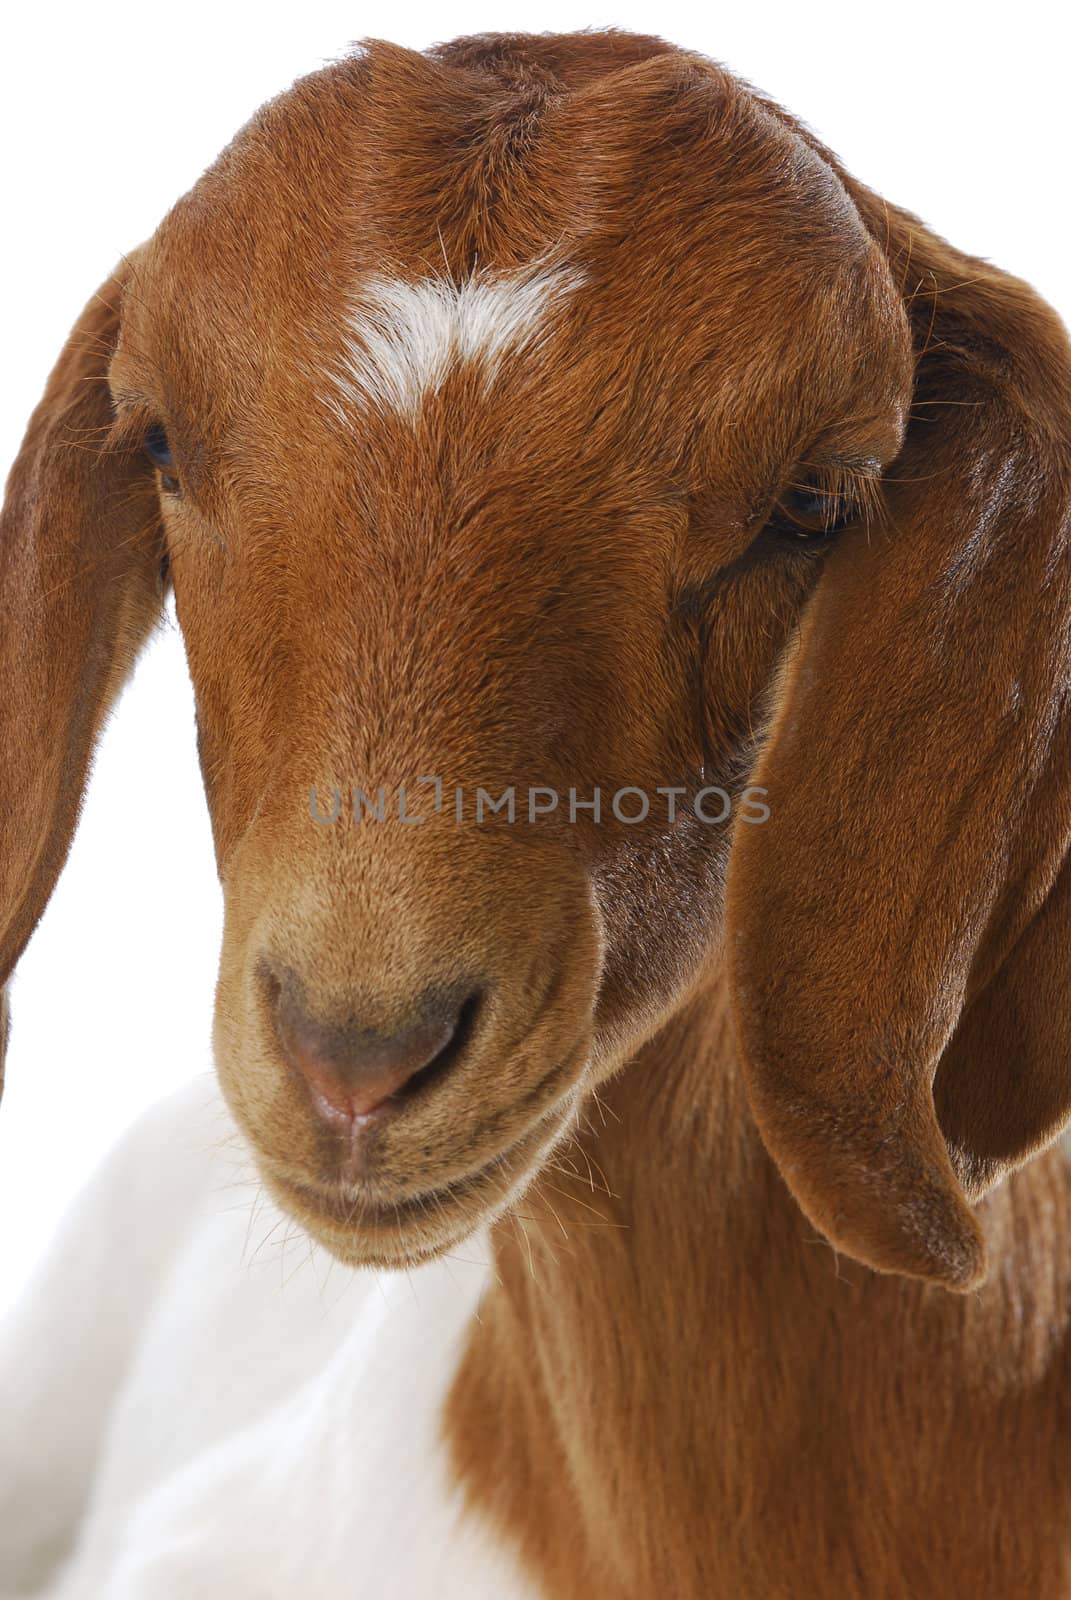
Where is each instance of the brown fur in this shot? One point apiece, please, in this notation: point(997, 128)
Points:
point(681, 1390)
point(855, 1009)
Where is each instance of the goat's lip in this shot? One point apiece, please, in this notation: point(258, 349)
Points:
point(372, 1230)
point(357, 1211)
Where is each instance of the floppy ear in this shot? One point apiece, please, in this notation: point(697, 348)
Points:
point(900, 927)
point(79, 592)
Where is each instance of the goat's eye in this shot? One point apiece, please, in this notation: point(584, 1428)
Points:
point(156, 447)
point(809, 514)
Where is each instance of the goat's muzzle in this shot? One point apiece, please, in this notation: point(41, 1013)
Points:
point(401, 1076)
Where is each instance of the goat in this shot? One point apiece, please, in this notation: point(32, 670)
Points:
point(555, 414)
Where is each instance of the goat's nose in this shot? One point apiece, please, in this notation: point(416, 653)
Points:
point(353, 1071)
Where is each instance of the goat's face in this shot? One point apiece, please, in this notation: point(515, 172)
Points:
point(515, 412)
point(514, 533)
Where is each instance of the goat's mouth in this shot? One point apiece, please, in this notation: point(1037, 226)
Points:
point(365, 1227)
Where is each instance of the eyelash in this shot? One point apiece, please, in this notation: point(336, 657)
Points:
point(810, 513)
point(155, 445)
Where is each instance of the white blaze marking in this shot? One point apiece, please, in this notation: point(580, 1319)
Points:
point(406, 337)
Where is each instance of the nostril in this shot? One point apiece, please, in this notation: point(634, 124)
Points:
point(352, 1070)
point(452, 1048)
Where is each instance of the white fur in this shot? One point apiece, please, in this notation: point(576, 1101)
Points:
point(194, 1406)
point(406, 337)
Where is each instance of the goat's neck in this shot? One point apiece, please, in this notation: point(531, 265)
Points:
point(600, 1341)
point(669, 1339)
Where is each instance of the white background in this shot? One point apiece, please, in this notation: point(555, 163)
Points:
point(109, 112)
